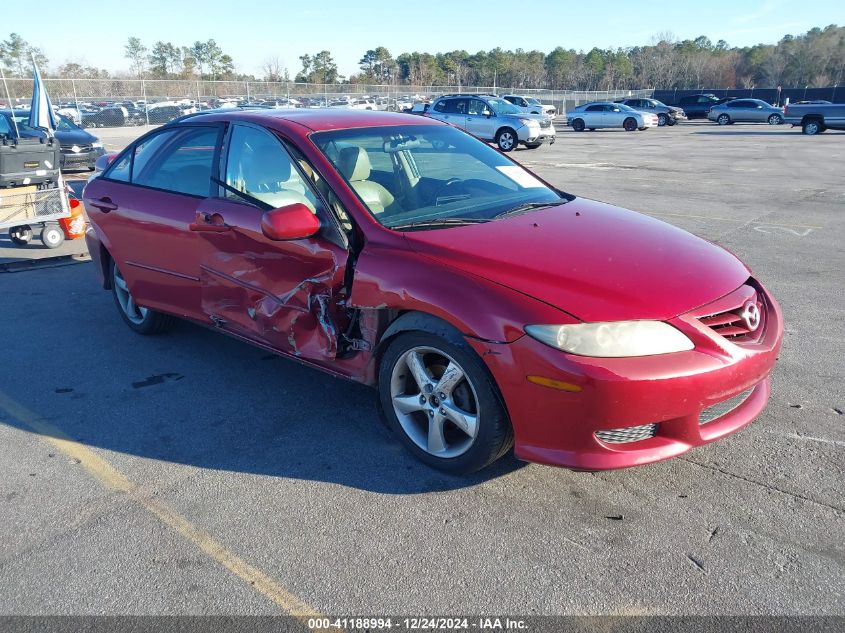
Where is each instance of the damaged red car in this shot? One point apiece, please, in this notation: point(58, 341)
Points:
point(489, 309)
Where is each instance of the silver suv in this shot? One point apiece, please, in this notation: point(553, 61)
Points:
point(493, 119)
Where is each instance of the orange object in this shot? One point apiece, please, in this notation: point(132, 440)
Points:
point(74, 226)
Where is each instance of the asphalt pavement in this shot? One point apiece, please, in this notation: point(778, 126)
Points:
point(190, 473)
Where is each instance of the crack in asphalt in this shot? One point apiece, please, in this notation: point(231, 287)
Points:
point(764, 485)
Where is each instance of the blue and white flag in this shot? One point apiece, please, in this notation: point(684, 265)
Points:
point(41, 113)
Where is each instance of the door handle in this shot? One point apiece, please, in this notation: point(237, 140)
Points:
point(103, 204)
point(209, 223)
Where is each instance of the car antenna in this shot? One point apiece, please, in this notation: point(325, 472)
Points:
point(12, 107)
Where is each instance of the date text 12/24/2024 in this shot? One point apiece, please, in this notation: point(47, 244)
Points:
point(417, 623)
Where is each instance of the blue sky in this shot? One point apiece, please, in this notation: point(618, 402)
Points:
point(252, 30)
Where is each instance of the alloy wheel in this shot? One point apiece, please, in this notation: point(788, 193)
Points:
point(435, 402)
point(506, 141)
point(135, 313)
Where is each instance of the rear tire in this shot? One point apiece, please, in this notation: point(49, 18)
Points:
point(417, 413)
point(141, 320)
point(812, 127)
point(630, 124)
point(21, 235)
point(506, 139)
point(578, 125)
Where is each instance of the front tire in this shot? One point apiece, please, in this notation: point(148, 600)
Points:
point(630, 124)
point(578, 125)
point(506, 140)
point(723, 119)
point(439, 398)
point(775, 119)
point(532, 145)
point(139, 319)
point(52, 236)
point(662, 119)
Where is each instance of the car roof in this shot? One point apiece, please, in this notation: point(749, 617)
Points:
point(316, 120)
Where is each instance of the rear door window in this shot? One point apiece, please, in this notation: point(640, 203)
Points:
point(456, 106)
point(184, 165)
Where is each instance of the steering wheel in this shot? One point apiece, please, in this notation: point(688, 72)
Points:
point(446, 185)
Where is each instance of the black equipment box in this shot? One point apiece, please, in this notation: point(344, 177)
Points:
point(29, 161)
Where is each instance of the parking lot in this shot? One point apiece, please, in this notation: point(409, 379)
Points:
point(190, 473)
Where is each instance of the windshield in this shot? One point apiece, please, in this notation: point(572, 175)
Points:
point(500, 106)
point(625, 108)
point(532, 101)
point(430, 174)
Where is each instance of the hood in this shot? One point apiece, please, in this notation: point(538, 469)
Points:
point(593, 260)
point(75, 137)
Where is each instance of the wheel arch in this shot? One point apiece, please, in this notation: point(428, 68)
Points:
point(818, 118)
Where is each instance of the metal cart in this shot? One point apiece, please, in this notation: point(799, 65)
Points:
point(22, 208)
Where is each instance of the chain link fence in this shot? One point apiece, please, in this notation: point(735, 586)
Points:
point(82, 98)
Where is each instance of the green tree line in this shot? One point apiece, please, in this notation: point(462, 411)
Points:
point(814, 58)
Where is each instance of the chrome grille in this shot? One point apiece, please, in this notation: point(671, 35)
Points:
point(628, 434)
point(545, 123)
point(723, 408)
point(731, 324)
point(84, 147)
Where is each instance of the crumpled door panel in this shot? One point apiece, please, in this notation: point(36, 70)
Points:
point(280, 293)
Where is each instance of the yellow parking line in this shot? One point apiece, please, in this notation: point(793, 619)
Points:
point(113, 479)
point(710, 217)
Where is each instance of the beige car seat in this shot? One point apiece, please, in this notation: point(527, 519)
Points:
point(354, 165)
point(270, 178)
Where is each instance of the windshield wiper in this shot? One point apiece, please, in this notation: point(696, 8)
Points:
point(438, 222)
point(526, 206)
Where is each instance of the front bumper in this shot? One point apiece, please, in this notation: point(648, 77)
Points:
point(557, 427)
point(80, 160)
point(537, 134)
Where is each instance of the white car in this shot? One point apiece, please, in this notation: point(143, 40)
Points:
point(605, 114)
point(363, 104)
point(531, 105)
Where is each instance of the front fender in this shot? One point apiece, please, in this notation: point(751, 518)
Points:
point(399, 281)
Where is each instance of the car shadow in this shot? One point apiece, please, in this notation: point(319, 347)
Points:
point(218, 404)
point(723, 132)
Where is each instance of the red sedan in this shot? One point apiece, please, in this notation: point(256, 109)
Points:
point(489, 309)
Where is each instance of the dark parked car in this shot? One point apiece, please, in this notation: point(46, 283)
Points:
point(163, 114)
point(112, 116)
point(666, 115)
point(79, 148)
point(488, 308)
point(697, 106)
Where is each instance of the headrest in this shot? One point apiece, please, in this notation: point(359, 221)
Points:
point(354, 164)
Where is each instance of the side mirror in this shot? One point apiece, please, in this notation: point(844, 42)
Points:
point(487, 113)
point(291, 222)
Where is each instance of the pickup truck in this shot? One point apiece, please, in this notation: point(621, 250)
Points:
point(815, 118)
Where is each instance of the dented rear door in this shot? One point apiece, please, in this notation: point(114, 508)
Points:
point(283, 294)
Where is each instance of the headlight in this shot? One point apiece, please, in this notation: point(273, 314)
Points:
point(614, 339)
point(528, 121)
point(96, 145)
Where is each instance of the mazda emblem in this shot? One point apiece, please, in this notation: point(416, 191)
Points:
point(750, 315)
